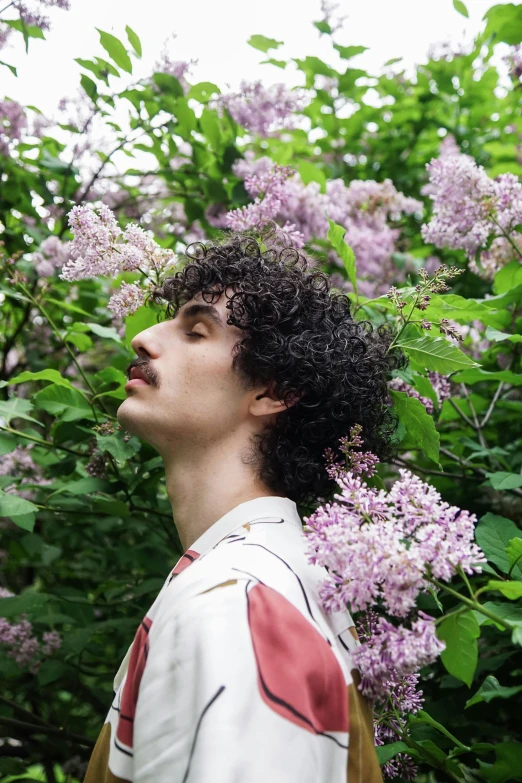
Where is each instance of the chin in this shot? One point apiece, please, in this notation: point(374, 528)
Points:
point(129, 418)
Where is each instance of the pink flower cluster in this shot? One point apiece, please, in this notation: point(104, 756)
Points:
point(52, 255)
point(96, 252)
point(395, 649)
point(469, 207)
point(263, 110)
point(380, 547)
point(22, 645)
point(363, 208)
point(13, 123)
point(24, 470)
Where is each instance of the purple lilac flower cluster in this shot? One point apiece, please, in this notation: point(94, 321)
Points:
point(381, 547)
point(96, 251)
point(261, 109)
point(13, 123)
point(469, 208)
point(21, 643)
point(363, 208)
point(392, 704)
point(441, 387)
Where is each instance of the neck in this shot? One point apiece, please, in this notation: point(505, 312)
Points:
point(205, 484)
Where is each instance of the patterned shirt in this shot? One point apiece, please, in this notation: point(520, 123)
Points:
point(236, 673)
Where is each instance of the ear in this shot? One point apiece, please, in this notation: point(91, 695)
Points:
point(265, 403)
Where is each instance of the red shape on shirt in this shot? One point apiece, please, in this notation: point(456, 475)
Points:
point(129, 696)
point(184, 562)
point(299, 676)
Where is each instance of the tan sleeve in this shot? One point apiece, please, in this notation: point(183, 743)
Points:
point(98, 770)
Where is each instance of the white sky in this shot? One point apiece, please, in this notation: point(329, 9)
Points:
point(215, 34)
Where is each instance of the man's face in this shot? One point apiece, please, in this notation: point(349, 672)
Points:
point(183, 391)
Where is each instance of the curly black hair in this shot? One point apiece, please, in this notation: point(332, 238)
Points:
point(299, 335)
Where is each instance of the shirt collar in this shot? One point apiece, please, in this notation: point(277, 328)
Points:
point(259, 508)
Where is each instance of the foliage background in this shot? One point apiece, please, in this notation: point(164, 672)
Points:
point(86, 528)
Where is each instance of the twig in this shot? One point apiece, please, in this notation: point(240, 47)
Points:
point(492, 405)
point(35, 728)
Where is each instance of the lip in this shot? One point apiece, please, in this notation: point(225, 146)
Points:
point(135, 382)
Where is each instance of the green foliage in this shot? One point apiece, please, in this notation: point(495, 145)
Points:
point(87, 531)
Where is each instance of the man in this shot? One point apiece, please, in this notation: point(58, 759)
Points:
point(236, 673)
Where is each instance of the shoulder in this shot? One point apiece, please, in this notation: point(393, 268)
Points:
point(267, 553)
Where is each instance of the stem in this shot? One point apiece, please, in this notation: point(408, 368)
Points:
point(34, 728)
point(21, 711)
point(506, 235)
point(7, 6)
point(493, 403)
point(41, 442)
point(461, 413)
point(466, 581)
point(71, 354)
point(473, 605)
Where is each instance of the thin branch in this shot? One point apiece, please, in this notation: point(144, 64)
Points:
point(51, 731)
point(492, 405)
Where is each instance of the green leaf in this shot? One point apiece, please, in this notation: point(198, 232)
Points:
point(28, 30)
point(11, 67)
point(419, 424)
point(436, 354)
point(508, 277)
point(70, 404)
point(52, 671)
point(387, 752)
point(460, 633)
point(108, 332)
point(134, 40)
point(475, 375)
point(13, 506)
point(497, 336)
point(119, 448)
point(336, 238)
point(511, 590)
point(29, 601)
point(43, 375)
point(323, 27)
point(492, 689)
point(90, 87)
point(502, 480)
point(142, 319)
point(203, 91)
point(424, 387)
point(168, 84)
point(17, 408)
point(347, 52)
point(116, 50)
point(493, 534)
point(8, 443)
point(210, 126)
point(459, 6)
point(507, 766)
point(84, 486)
point(514, 551)
point(278, 63)
point(504, 22)
point(262, 43)
point(309, 172)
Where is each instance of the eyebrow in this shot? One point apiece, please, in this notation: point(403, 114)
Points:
point(207, 311)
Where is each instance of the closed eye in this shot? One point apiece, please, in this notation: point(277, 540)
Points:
point(193, 334)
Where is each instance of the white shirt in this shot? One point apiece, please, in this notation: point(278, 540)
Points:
point(236, 673)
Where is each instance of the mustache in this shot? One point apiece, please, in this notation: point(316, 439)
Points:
point(146, 368)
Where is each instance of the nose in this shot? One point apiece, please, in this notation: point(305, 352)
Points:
point(146, 344)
